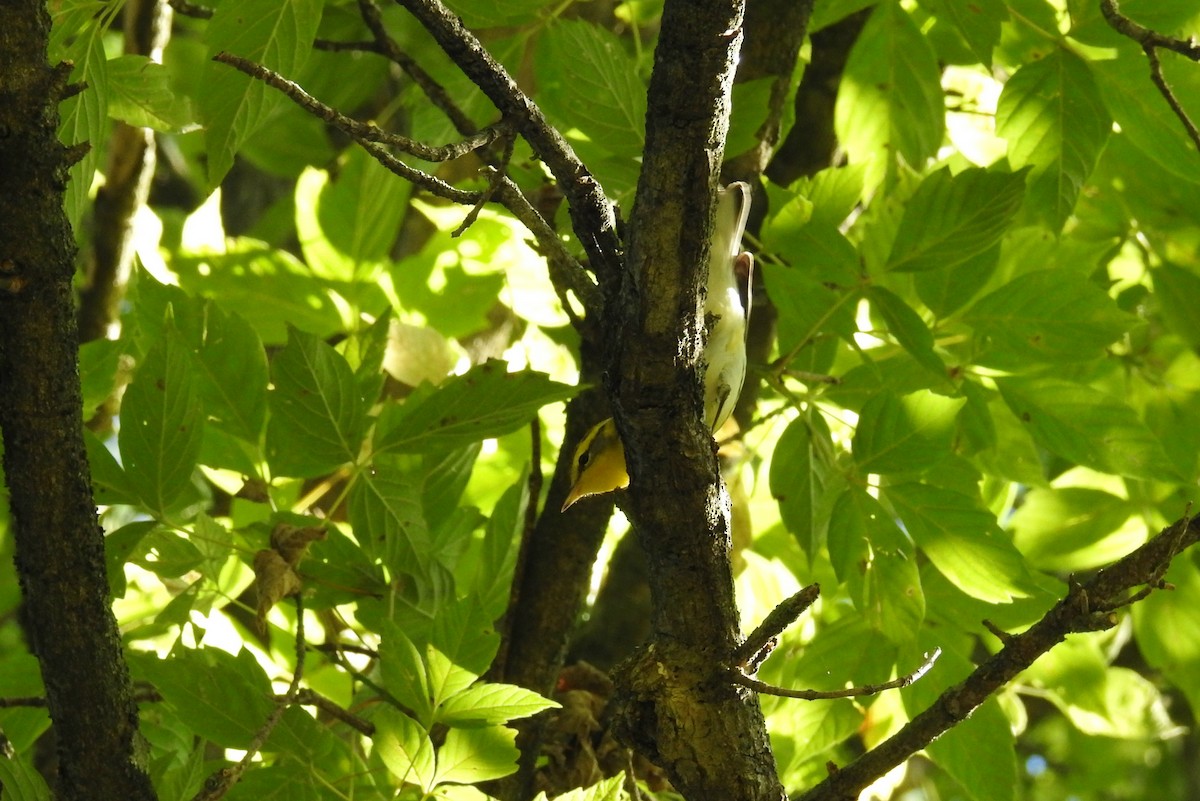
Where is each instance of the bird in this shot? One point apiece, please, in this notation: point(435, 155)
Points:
point(599, 466)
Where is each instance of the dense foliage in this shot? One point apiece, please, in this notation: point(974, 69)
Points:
point(984, 380)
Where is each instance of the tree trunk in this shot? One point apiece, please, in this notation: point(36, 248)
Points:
point(59, 544)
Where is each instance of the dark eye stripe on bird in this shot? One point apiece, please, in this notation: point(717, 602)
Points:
point(599, 465)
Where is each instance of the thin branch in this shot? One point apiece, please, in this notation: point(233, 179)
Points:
point(220, 782)
point(308, 697)
point(434, 91)
point(1160, 80)
point(362, 131)
point(1086, 607)
point(1145, 36)
point(592, 215)
point(762, 640)
point(850, 692)
point(372, 139)
point(1151, 41)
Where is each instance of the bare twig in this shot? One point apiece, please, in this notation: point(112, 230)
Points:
point(307, 697)
point(1151, 41)
point(762, 638)
point(433, 90)
point(1145, 36)
point(220, 782)
point(361, 131)
point(592, 215)
point(850, 692)
point(1086, 607)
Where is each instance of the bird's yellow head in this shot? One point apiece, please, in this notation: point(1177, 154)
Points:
point(599, 464)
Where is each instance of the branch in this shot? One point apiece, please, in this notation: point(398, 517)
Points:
point(437, 94)
point(591, 214)
point(565, 270)
point(361, 131)
point(1150, 41)
point(762, 640)
point(220, 782)
point(738, 677)
point(1086, 607)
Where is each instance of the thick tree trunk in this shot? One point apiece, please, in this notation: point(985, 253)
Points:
point(676, 705)
point(59, 544)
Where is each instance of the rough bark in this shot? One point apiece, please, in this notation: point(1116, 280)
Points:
point(675, 706)
point(59, 544)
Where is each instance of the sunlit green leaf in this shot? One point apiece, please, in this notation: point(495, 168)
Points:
point(476, 755)
point(162, 424)
point(890, 100)
point(589, 82)
point(953, 218)
point(905, 433)
point(317, 416)
point(1047, 316)
point(405, 747)
point(1087, 426)
point(486, 401)
point(385, 512)
point(962, 540)
point(1054, 120)
point(491, 703)
point(142, 96)
point(278, 35)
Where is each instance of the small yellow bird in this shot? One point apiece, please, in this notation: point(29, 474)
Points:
point(599, 465)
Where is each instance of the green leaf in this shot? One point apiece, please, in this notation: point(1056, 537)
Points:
point(589, 82)
point(21, 781)
point(1054, 120)
point(82, 116)
point(276, 34)
point(1087, 427)
point(501, 540)
point(405, 674)
point(953, 218)
point(232, 375)
point(228, 706)
point(162, 424)
point(215, 544)
point(486, 401)
point(876, 560)
point(491, 703)
point(1145, 116)
point(98, 362)
point(317, 416)
point(815, 248)
point(469, 756)
point(142, 96)
point(800, 474)
point(890, 98)
point(405, 748)
point(1178, 291)
point(110, 483)
point(978, 752)
point(1167, 629)
point(907, 327)
point(978, 22)
point(807, 307)
point(354, 220)
point(962, 540)
point(1047, 316)
point(1070, 529)
point(945, 290)
point(488, 14)
point(385, 513)
point(905, 433)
